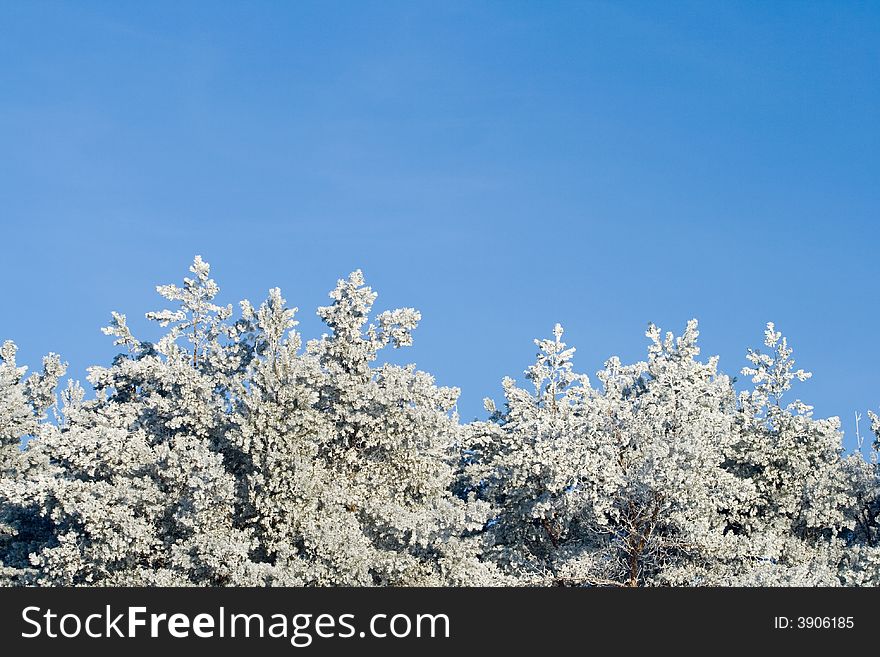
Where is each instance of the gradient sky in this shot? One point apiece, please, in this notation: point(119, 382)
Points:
point(499, 165)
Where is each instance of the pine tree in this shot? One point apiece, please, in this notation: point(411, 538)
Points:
point(794, 460)
point(23, 406)
point(391, 446)
point(620, 486)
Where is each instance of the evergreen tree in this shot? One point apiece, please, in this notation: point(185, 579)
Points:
point(23, 406)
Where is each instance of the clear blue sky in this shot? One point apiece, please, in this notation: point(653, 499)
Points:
point(500, 166)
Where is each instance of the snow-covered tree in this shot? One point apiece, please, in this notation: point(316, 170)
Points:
point(530, 461)
point(801, 496)
point(23, 406)
point(670, 422)
point(136, 487)
point(619, 486)
point(390, 446)
point(238, 458)
point(861, 563)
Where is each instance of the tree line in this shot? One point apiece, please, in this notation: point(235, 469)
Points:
point(233, 452)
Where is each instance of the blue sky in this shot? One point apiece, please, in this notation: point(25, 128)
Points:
point(499, 165)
